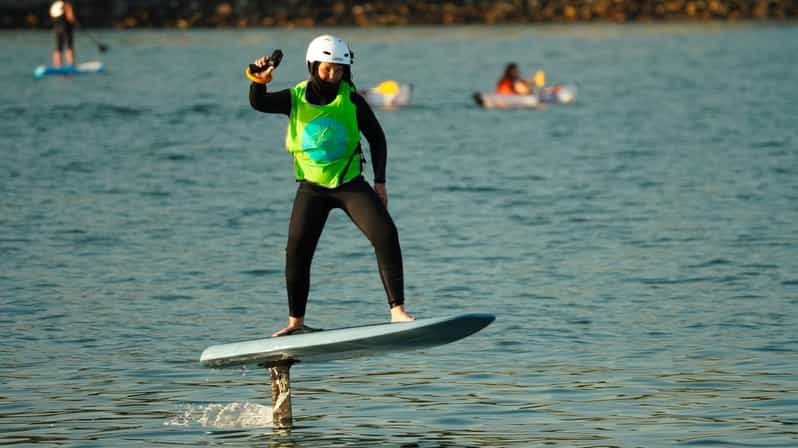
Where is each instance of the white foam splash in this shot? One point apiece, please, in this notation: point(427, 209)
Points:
point(225, 416)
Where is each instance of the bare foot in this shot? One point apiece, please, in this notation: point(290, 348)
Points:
point(294, 324)
point(287, 330)
point(398, 314)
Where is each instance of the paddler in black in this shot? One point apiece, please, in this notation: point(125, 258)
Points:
point(63, 22)
point(329, 59)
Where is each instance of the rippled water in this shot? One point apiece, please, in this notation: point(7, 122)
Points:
point(638, 247)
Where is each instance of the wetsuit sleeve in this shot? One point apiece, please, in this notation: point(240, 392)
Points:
point(272, 103)
point(371, 129)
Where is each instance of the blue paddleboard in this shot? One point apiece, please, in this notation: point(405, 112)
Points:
point(344, 343)
point(79, 69)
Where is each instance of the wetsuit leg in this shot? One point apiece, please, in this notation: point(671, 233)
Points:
point(366, 210)
point(60, 39)
point(311, 208)
point(70, 38)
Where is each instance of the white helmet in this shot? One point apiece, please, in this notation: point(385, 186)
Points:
point(329, 48)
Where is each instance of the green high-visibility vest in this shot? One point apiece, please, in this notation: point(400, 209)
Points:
point(324, 139)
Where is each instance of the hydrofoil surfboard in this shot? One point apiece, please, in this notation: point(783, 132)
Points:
point(344, 343)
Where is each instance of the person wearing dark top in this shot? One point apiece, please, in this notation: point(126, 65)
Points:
point(326, 116)
point(63, 17)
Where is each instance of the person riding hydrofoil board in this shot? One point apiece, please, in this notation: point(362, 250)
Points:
point(326, 116)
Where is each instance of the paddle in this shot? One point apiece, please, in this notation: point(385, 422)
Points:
point(540, 79)
point(101, 47)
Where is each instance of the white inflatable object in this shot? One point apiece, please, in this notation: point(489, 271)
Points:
point(558, 94)
point(388, 94)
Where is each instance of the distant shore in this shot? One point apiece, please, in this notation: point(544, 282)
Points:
point(304, 14)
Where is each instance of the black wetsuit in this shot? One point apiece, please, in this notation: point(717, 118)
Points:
point(313, 203)
point(63, 33)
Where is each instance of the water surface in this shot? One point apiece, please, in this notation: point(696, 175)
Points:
point(638, 247)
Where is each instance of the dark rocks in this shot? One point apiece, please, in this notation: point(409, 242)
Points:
point(307, 13)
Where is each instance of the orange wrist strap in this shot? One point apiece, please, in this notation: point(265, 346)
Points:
point(253, 78)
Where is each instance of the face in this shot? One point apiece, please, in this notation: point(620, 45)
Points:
point(330, 72)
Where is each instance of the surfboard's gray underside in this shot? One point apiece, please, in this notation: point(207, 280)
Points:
point(346, 343)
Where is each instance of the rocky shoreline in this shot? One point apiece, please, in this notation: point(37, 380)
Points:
point(301, 13)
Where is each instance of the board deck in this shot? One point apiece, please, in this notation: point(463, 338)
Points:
point(79, 69)
point(344, 343)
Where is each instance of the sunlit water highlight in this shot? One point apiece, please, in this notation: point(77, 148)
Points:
point(224, 416)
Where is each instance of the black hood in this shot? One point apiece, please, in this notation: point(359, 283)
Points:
point(323, 89)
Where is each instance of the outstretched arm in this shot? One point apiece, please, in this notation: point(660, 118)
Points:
point(272, 103)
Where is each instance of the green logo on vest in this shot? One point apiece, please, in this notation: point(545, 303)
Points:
point(324, 140)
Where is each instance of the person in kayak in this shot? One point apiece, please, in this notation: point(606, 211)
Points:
point(325, 118)
point(63, 16)
point(511, 82)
